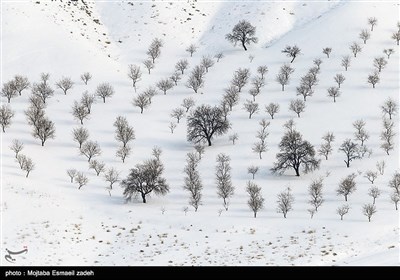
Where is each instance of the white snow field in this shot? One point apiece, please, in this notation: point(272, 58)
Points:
point(61, 225)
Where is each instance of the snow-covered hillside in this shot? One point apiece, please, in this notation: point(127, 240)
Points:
point(61, 225)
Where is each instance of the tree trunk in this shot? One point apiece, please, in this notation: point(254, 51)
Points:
point(104, 100)
point(345, 197)
point(341, 217)
point(292, 59)
point(297, 171)
point(260, 155)
point(253, 176)
point(374, 201)
point(209, 141)
point(144, 198)
point(82, 121)
point(327, 55)
point(43, 142)
point(3, 129)
point(283, 87)
point(284, 215)
point(298, 115)
point(347, 163)
point(255, 214)
point(369, 219)
point(244, 46)
point(27, 174)
point(373, 85)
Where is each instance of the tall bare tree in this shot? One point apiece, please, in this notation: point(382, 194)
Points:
point(244, 33)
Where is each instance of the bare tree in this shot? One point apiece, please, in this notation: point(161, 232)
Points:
point(134, 74)
point(346, 60)
point(373, 78)
point(380, 63)
point(44, 130)
point(111, 176)
point(252, 170)
point(347, 186)
point(80, 112)
point(254, 92)
point(149, 64)
point(305, 91)
point(71, 173)
point(65, 84)
point(80, 135)
point(374, 192)
point(285, 202)
point(182, 65)
point(219, 56)
point(16, 147)
point(172, 126)
point(256, 200)
point(360, 134)
point(191, 49)
point(28, 166)
point(327, 51)
point(243, 32)
point(165, 85)
point(176, 77)
point(123, 131)
point(387, 136)
point(205, 122)
point(371, 175)
point(199, 149)
point(43, 91)
point(380, 166)
point(355, 49)
point(257, 83)
point(188, 103)
point(388, 52)
point(390, 107)
point(144, 179)
point(333, 92)
point(21, 160)
point(86, 77)
point(262, 70)
point(292, 51)
point(396, 36)
point(240, 78)
point(339, 79)
point(231, 96)
point(150, 92)
point(261, 146)
point(142, 101)
point(372, 21)
point(369, 210)
point(35, 111)
point(44, 77)
point(192, 180)
point(9, 91)
point(97, 166)
point(297, 106)
point(251, 58)
point(6, 115)
point(178, 113)
point(309, 80)
point(196, 78)
point(394, 183)
point(326, 148)
point(315, 192)
point(365, 35)
point(123, 152)
point(295, 153)
point(395, 198)
point(225, 189)
point(272, 109)
point(351, 150)
point(87, 101)
point(317, 62)
point(234, 137)
point(81, 180)
point(154, 50)
point(21, 83)
point(343, 210)
point(104, 90)
point(251, 107)
point(314, 71)
point(90, 149)
point(207, 62)
point(282, 79)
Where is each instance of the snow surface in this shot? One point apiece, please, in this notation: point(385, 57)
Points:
point(61, 225)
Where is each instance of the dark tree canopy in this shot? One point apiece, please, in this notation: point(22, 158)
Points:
point(205, 122)
point(295, 153)
point(244, 33)
point(144, 179)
